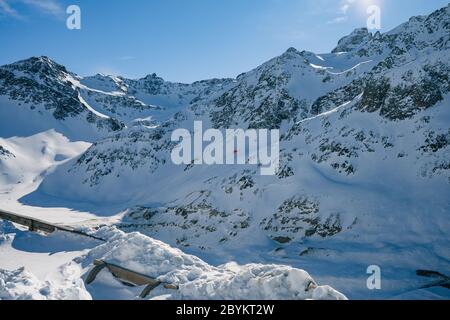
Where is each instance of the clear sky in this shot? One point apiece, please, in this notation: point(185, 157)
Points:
point(185, 40)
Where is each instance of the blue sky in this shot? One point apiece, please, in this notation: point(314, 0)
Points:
point(185, 40)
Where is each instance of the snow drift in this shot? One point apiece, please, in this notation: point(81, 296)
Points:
point(198, 280)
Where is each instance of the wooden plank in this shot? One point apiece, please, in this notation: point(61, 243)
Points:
point(32, 224)
point(39, 225)
point(94, 272)
point(126, 275)
point(129, 277)
point(148, 289)
point(442, 280)
point(123, 274)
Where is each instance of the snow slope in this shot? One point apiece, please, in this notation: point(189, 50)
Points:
point(28, 161)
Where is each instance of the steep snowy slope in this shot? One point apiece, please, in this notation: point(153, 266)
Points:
point(24, 163)
point(37, 95)
point(147, 101)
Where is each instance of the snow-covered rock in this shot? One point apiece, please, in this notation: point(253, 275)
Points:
point(22, 285)
point(198, 280)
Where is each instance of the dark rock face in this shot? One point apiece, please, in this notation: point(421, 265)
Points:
point(435, 142)
point(270, 113)
point(5, 153)
point(41, 87)
point(394, 102)
point(198, 223)
point(405, 100)
point(43, 84)
point(298, 218)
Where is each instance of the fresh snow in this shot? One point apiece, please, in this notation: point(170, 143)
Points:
point(196, 279)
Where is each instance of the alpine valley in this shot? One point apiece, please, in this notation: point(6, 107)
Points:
point(364, 173)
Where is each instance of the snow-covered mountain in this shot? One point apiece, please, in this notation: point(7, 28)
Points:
point(44, 95)
point(365, 169)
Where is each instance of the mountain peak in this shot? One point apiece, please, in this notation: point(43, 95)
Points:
point(38, 60)
point(353, 40)
point(153, 77)
point(292, 50)
point(39, 64)
point(435, 23)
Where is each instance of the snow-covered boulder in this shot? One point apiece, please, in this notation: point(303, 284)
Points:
point(22, 285)
point(198, 280)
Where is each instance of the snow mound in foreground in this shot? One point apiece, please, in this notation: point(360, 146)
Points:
point(22, 285)
point(198, 280)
